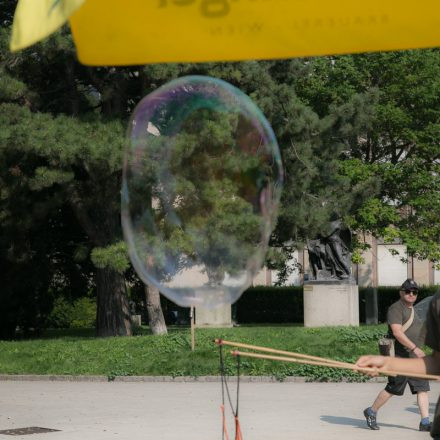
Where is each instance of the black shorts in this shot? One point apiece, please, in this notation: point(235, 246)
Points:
point(396, 385)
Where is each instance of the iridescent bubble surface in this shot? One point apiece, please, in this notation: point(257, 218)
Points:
point(201, 185)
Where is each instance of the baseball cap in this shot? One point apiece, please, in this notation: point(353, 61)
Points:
point(410, 284)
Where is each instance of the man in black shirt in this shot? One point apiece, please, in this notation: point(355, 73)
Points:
point(408, 331)
point(429, 364)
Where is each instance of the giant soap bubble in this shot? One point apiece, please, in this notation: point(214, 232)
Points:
point(201, 185)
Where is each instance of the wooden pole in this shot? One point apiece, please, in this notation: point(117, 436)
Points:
point(193, 336)
point(315, 360)
point(282, 352)
point(326, 363)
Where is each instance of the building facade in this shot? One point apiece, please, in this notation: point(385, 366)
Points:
point(381, 267)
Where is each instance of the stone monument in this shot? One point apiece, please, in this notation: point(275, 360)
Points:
point(216, 318)
point(331, 296)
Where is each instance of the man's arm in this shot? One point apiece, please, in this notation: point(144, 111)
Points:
point(426, 365)
point(405, 341)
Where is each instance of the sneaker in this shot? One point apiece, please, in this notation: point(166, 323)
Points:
point(371, 420)
point(425, 426)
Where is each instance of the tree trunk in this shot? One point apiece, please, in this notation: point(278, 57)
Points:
point(113, 313)
point(154, 310)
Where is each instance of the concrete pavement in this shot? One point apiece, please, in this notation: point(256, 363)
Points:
point(170, 411)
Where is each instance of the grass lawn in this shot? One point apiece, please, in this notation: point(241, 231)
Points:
point(78, 352)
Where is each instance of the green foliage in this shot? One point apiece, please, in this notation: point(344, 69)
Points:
point(323, 374)
point(62, 149)
point(171, 355)
point(374, 216)
point(60, 316)
point(384, 107)
point(359, 137)
point(212, 185)
point(79, 314)
point(113, 256)
point(83, 313)
point(11, 89)
point(360, 335)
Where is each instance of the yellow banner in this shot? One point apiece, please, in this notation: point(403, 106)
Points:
point(115, 32)
point(36, 19)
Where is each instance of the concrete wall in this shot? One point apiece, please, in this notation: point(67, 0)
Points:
point(421, 271)
point(366, 273)
point(331, 305)
point(436, 276)
point(391, 271)
point(295, 278)
point(218, 317)
point(263, 278)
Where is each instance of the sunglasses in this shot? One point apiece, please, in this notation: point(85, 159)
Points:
point(409, 292)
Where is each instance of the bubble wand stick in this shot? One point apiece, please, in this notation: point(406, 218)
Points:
point(315, 360)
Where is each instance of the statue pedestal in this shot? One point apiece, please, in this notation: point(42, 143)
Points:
point(218, 317)
point(329, 303)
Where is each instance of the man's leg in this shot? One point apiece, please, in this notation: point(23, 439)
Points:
point(395, 387)
point(423, 402)
point(421, 388)
point(370, 412)
point(381, 399)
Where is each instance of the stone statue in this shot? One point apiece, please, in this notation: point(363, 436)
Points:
point(329, 255)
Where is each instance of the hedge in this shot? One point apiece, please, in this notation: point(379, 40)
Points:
point(277, 305)
point(284, 305)
point(386, 296)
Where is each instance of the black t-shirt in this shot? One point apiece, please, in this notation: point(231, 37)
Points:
point(433, 341)
point(398, 313)
point(433, 324)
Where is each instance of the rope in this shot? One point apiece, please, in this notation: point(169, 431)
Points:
point(224, 429)
point(224, 381)
point(222, 406)
point(238, 385)
point(238, 434)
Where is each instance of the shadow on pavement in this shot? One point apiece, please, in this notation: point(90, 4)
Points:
point(344, 421)
point(415, 408)
point(358, 423)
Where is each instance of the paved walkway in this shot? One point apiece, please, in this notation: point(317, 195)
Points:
point(180, 411)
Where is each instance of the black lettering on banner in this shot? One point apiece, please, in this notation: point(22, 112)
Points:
point(165, 3)
point(183, 2)
point(208, 8)
point(255, 28)
point(217, 30)
point(230, 30)
point(215, 8)
point(221, 8)
point(331, 22)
